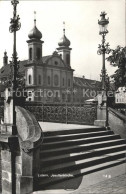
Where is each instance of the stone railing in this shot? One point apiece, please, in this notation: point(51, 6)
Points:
point(117, 122)
point(118, 114)
point(119, 107)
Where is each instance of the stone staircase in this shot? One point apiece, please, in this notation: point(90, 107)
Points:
point(68, 155)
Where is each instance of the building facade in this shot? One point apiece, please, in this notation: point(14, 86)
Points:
point(49, 79)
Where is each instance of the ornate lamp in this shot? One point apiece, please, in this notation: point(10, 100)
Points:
point(103, 23)
point(14, 26)
point(103, 49)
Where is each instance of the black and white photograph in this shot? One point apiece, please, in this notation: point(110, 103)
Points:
point(63, 97)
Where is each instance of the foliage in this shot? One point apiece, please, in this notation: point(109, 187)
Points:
point(118, 59)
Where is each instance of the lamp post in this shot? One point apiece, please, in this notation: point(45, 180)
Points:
point(14, 26)
point(103, 49)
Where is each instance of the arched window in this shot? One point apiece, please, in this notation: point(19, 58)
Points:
point(69, 83)
point(38, 53)
point(63, 82)
point(56, 63)
point(29, 79)
point(69, 97)
point(63, 97)
point(39, 79)
point(49, 80)
point(68, 59)
point(30, 54)
point(56, 94)
point(56, 80)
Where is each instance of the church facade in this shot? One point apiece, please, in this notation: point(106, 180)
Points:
point(49, 79)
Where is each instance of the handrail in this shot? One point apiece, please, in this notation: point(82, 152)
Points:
point(118, 114)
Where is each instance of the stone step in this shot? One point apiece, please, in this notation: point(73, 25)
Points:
point(75, 136)
point(80, 148)
point(67, 143)
point(54, 179)
point(84, 163)
point(74, 131)
point(81, 155)
point(69, 154)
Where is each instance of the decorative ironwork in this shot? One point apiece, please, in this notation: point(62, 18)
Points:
point(79, 113)
point(15, 24)
point(60, 113)
point(104, 47)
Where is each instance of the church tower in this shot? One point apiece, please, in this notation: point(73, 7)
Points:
point(64, 49)
point(34, 69)
point(35, 44)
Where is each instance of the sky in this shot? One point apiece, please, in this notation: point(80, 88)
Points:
point(81, 23)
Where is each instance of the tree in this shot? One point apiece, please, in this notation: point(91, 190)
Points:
point(118, 59)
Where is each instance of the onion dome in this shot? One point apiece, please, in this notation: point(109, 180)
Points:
point(64, 40)
point(35, 33)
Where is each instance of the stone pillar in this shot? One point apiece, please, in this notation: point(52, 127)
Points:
point(9, 153)
point(20, 153)
point(101, 110)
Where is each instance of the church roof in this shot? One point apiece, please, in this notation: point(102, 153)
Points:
point(86, 83)
point(6, 70)
point(64, 42)
point(35, 33)
point(45, 58)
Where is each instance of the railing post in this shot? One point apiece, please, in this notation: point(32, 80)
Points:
point(42, 112)
point(66, 113)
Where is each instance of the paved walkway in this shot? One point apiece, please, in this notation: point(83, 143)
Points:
point(116, 185)
point(49, 126)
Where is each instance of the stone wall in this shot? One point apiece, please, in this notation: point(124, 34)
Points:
point(117, 123)
point(0, 172)
point(20, 154)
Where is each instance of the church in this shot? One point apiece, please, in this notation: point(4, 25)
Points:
point(49, 79)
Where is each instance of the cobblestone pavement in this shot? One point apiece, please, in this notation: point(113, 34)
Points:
point(116, 185)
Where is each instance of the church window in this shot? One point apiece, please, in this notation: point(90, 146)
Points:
point(56, 97)
point(56, 80)
point(56, 94)
point(29, 93)
point(38, 53)
point(69, 83)
point(69, 97)
point(56, 63)
point(63, 97)
point(61, 55)
point(29, 99)
point(63, 82)
point(49, 80)
point(30, 54)
point(29, 79)
point(68, 59)
point(39, 79)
